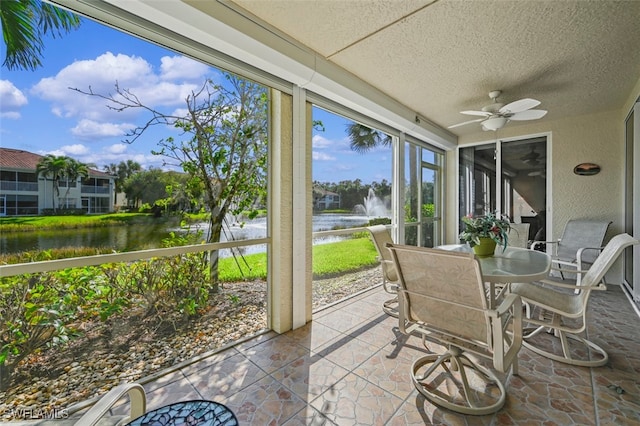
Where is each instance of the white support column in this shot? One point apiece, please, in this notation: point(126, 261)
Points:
point(301, 218)
point(280, 213)
point(397, 189)
point(636, 204)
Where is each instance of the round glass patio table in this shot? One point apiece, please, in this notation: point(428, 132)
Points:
point(512, 265)
point(188, 413)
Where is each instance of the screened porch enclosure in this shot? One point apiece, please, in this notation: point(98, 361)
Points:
point(428, 178)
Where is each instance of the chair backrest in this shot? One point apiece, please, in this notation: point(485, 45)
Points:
point(381, 237)
point(518, 235)
point(580, 233)
point(605, 260)
point(444, 289)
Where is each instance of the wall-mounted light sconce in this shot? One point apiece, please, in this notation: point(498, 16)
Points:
point(586, 169)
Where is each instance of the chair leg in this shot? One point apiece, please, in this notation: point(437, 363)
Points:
point(390, 307)
point(596, 356)
point(480, 390)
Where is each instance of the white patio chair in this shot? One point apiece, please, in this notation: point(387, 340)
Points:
point(554, 308)
point(99, 413)
point(442, 297)
point(518, 235)
point(579, 246)
point(381, 237)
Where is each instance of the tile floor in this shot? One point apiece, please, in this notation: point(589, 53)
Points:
point(350, 366)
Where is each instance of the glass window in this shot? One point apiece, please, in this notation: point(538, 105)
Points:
point(521, 191)
point(173, 294)
point(352, 188)
point(423, 195)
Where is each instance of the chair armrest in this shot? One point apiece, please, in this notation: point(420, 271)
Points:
point(581, 250)
point(571, 264)
point(137, 398)
point(509, 300)
point(572, 286)
point(536, 243)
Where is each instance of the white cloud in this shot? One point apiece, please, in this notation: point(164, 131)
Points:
point(117, 148)
point(181, 67)
point(89, 129)
point(180, 112)
point(344, 167)
point(11, 115)
point(321, 156)
point(109, 154)
point(74, 150)
point(164, 93)
point(131, 73)
point(11, 99)
point(320, 142)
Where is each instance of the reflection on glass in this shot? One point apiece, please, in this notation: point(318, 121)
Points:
point(524, 170)
point(477, 180)
point(422, 196)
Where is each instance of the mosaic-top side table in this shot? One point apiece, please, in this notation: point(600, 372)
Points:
point(188, 413)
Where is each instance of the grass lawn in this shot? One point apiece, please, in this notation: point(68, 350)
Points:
point(33, 223)
point(329, 260)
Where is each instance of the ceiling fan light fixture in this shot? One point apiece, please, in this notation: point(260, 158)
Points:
point(496, 115)
point(494, 123)
point(531, 157)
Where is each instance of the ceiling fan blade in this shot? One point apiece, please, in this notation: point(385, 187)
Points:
point(531, 114)
point(466, 122)
point(480, 113)
point(518, 106)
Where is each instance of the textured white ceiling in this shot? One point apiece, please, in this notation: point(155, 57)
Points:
point(442, 57)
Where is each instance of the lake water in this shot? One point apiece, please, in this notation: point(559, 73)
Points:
point(138, 237)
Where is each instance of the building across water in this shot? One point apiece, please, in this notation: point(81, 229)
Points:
point(24, 192)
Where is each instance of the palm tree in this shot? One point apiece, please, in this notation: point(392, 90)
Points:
point(24, 25)
point(365, 138)
point(74, 170)
point(53, 167)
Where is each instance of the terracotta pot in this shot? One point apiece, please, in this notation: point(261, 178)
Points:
point(486, 247)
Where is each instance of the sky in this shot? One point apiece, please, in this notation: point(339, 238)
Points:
point(40, 113)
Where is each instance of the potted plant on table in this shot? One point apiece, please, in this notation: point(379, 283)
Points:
point(483, 233)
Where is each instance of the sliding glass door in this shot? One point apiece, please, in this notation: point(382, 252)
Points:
point(423, 195)
point(632, 198)
point(520, 192)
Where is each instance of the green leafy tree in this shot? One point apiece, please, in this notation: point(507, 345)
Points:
point(122, 171)
point(222, 145)
point(146, 187)
point(24, 26)
point(184, 192)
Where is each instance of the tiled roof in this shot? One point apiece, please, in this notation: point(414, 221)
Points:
point(24, 160)
point(323, 191)
point(18, 159)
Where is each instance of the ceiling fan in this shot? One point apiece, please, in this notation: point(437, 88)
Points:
point(496, 115)
point(531, 157)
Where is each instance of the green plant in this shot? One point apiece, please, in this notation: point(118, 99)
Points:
point(34, 313)
point(488, 226)
point(380, 221)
